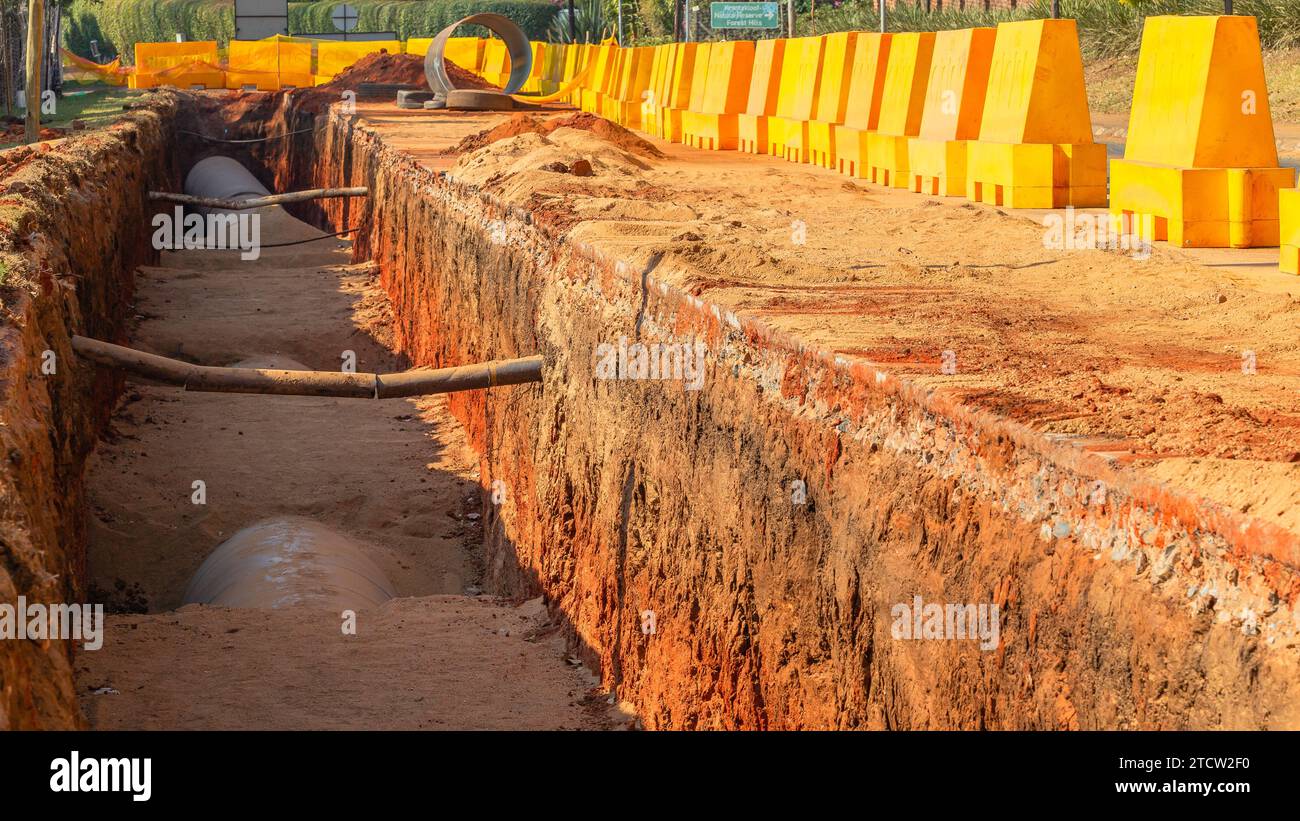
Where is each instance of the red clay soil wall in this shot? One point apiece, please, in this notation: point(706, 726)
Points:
point(73, 227)
point(1124, 605)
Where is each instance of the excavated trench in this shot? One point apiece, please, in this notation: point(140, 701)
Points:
point(265, 561)
point(646, 530)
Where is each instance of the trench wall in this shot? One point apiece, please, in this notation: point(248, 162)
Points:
point(74, 224)
point(1123, 604)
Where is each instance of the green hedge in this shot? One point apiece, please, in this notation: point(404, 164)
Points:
point(423, 18)
point(119, 24)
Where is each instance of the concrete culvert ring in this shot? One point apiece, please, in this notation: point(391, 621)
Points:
point(221, 177)
point(518, 48)
point(289, 562)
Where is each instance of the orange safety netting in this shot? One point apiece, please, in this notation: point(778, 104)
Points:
point(113, 73)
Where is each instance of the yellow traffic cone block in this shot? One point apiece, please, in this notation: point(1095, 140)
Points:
point(1200, 157)
point(1035, 148)
point(694, 100)
point(832, 98)
point(533, 85)
point(764, 89)
point(1289, 234)
point(582, 57)
point(726, 92)
point(794, 104)
point(906, 77)
point(688, 75)
point(623, 106)
point(552, 69)
point(862, 115)
point(496, 60)
point(661, 74)
point(609, 90)
point(787, 91)
point(954, 103)
point(593, 94)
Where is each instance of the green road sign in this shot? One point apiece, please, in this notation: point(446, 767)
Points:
point(744, 16)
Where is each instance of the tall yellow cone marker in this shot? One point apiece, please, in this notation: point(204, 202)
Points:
point(906, 79)
point(1035, 148)
point(954, 105)
point(1200, 165)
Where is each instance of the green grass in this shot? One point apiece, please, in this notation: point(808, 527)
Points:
point(97, 107)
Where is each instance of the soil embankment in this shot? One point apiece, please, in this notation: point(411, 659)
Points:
point(73, 225)
point(827, 469)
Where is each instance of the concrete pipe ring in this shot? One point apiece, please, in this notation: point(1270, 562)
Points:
point(517, 46)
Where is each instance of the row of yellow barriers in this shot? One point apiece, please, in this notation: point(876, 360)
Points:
point(996, 115)
point(290, 62)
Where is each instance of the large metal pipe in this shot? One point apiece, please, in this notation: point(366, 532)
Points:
point(418, 382)
point(289, 562)
point(223, 178)
point(517, 46)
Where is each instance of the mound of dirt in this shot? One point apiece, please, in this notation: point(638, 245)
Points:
point(382, 67)
point(612, 133)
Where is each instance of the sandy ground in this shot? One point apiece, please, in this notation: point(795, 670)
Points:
point(434, 662)
point(396, 475)
point(1141, 359)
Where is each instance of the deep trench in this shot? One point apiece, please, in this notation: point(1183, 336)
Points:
point(622, 499)
point(178, 472)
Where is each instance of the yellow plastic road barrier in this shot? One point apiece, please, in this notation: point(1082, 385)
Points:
point(333, 56)
point(1035, 148)
point(862, 116)
point(726, 93)
point(906, 78)
point(689, 55)
point(661, 77)
point(584, 62)
point(269, 64)
point(623, 106)
point(764, 88)
point(603, 61)
point(560, 93)
point(1200, 164)
point(533, 85)
point(496, 62)
point(153, 58)
point(800, 84)
point(693, 93)
point(609, 87)
point(552, 76)
point(1289, 233)
point(832, 101)
point(954, 106)
point(465, 52)
point(197, 74)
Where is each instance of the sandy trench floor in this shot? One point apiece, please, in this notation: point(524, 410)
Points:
point(395, 475)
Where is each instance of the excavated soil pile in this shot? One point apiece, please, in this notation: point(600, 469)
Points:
point(381, 67)
point(612, 133)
